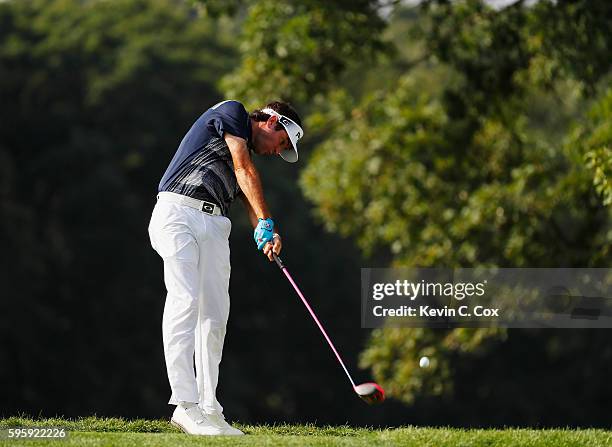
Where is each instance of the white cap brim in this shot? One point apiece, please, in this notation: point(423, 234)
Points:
point(294, 131)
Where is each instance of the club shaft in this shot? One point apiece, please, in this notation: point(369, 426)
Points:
point(314, 316)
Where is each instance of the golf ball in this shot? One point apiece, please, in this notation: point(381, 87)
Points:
point(424, 362)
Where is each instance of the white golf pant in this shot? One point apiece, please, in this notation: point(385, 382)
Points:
point(195, 249)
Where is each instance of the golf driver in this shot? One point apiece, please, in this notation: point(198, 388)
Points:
point(370, 392)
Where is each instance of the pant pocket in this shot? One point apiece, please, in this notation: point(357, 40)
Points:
point(225, 226)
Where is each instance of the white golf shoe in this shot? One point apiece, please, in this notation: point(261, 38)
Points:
point(193, 421)
point(218, 420)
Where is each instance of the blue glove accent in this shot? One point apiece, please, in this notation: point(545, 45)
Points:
point(264, 232)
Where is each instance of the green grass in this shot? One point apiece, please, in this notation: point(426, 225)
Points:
point(95, 431)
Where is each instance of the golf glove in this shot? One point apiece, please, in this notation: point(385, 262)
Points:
point(264, 232)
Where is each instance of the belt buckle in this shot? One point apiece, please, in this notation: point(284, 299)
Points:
point(208, 207)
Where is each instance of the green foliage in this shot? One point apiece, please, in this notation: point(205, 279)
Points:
point(218, 8)
point(572, 39)
point(600, 162)
point(391, 175)
point(292, 50)
point(594, 140)
point(485, 46)
point(353, 176)
point(392, 352)
point(480, 169)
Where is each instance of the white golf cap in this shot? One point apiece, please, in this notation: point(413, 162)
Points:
point(294, 131)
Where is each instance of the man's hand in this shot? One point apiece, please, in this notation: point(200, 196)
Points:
point(264, 232)
point(276, 247)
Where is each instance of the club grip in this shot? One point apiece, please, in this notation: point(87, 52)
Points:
point(278, 261)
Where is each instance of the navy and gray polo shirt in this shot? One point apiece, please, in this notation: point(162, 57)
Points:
point(202, 167)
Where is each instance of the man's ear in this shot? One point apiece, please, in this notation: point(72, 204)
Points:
point(271, 123)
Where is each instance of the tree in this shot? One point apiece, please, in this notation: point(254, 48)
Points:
point(470, 172)
point(296, 49)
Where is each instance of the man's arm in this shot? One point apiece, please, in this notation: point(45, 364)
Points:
point(249, 209)
point(247, 176)
point(252, 192)
point(251, 213)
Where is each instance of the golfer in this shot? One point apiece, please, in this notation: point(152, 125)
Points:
point(189, 229)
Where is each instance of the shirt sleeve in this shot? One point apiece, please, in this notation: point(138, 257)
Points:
point(231, 117)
